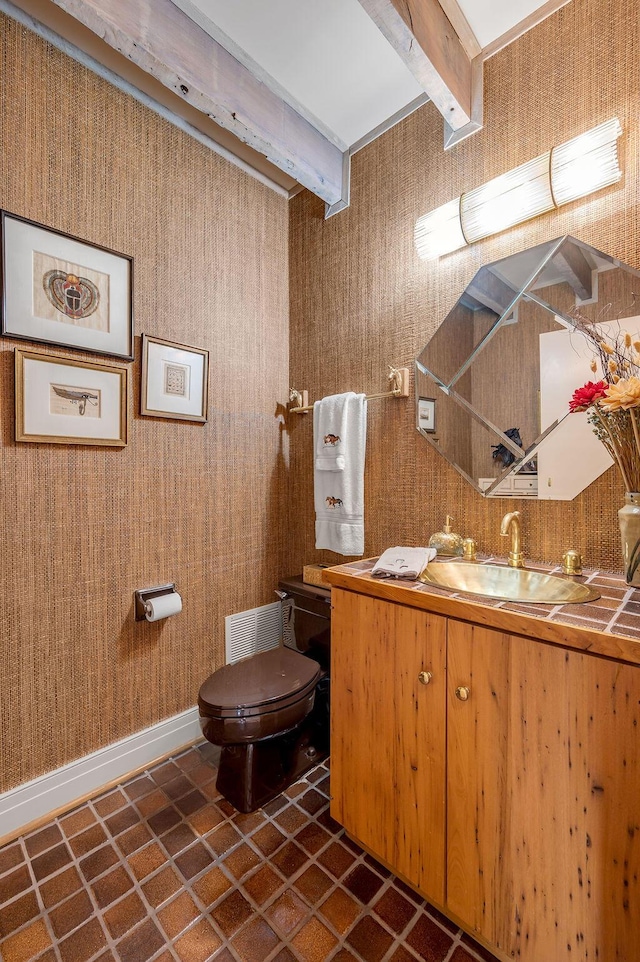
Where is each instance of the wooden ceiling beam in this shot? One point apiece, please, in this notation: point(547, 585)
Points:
point(422, 34)
point(460, 24)
point(160, 39)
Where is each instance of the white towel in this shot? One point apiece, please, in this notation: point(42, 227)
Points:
point(403, 562)
point(339, 491)
point(329, 429)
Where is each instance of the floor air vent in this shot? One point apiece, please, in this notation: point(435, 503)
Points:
point(248, 632)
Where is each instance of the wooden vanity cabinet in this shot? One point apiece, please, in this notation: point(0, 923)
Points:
point(507, 790)
point(388, 734)
point(543, 777)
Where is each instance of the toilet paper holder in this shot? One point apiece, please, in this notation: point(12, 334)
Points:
point(143, 595)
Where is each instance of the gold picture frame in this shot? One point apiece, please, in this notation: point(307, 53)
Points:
point(62, 401)
point(175, 380)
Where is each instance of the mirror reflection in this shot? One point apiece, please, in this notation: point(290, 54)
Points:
point(494, 382)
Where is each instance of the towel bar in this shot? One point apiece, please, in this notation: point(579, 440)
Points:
point(399, 378)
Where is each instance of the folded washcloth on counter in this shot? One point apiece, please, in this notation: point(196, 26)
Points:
point(403, 562)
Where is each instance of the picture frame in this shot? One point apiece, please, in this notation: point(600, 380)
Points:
point(427, 414)
point(63, 291)
point(63, 401)
point(175, 380)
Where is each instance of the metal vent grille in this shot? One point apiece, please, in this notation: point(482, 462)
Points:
point(248, 632)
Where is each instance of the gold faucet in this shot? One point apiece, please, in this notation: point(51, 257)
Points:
point(511, 521)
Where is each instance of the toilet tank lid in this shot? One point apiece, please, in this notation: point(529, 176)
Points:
point(259, 680)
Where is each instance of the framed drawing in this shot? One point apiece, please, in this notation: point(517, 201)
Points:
point(175, 380)
point(427, 414)
point(70, 402)
point(60, 290)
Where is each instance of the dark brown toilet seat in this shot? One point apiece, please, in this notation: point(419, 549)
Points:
point(267, 694)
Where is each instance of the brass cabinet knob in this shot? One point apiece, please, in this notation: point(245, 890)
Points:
point(425, 677)
point(462, 692)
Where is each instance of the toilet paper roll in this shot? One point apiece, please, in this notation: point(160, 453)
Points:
point(163, 606)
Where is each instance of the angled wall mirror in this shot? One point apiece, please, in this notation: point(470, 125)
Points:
point(494, 382)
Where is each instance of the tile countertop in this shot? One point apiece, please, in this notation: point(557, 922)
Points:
point(609, 626)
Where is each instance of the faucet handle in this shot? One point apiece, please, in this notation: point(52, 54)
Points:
point(572, 562)
point(469, 549)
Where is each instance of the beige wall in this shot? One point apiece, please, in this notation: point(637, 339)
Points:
point(204, 505)
point(218, 508)
point(362, 299)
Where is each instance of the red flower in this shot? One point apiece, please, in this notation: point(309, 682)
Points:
point(585, 396)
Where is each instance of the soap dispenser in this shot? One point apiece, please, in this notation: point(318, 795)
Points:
point(447, 543)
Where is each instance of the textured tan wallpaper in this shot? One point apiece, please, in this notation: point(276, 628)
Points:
point(202, 505)
point(219, 508)
point(362, 299)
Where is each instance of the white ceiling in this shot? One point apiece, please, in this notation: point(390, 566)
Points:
point(490, 19)
point(330, 58)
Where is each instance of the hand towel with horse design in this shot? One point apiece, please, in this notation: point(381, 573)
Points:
point(329, 428)
point(340, 430)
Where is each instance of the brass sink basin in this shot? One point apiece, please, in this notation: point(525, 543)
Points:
point(506, 584)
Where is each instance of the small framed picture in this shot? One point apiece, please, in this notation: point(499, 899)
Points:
point(70, 402)
point(175, 380)
point(60, 290)
point(427, 414)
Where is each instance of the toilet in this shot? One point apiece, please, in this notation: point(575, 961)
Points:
point(270, 712)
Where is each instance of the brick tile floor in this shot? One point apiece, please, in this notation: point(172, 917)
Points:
point(162, 869)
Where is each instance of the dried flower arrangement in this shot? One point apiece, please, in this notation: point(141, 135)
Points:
point(613, 405)
point(613, 402)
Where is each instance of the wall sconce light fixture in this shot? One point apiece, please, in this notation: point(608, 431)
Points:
point(574, 169)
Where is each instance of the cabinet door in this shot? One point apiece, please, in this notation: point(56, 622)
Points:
point(387, 734)
point(543, 798)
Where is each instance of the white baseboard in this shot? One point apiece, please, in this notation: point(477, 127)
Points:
point(59, 789)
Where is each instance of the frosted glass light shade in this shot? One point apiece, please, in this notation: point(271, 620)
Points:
point(574, 169)
point(439, 232)
point(586, 163)
point(510, 199)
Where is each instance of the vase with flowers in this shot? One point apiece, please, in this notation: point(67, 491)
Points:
point(613, 410)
